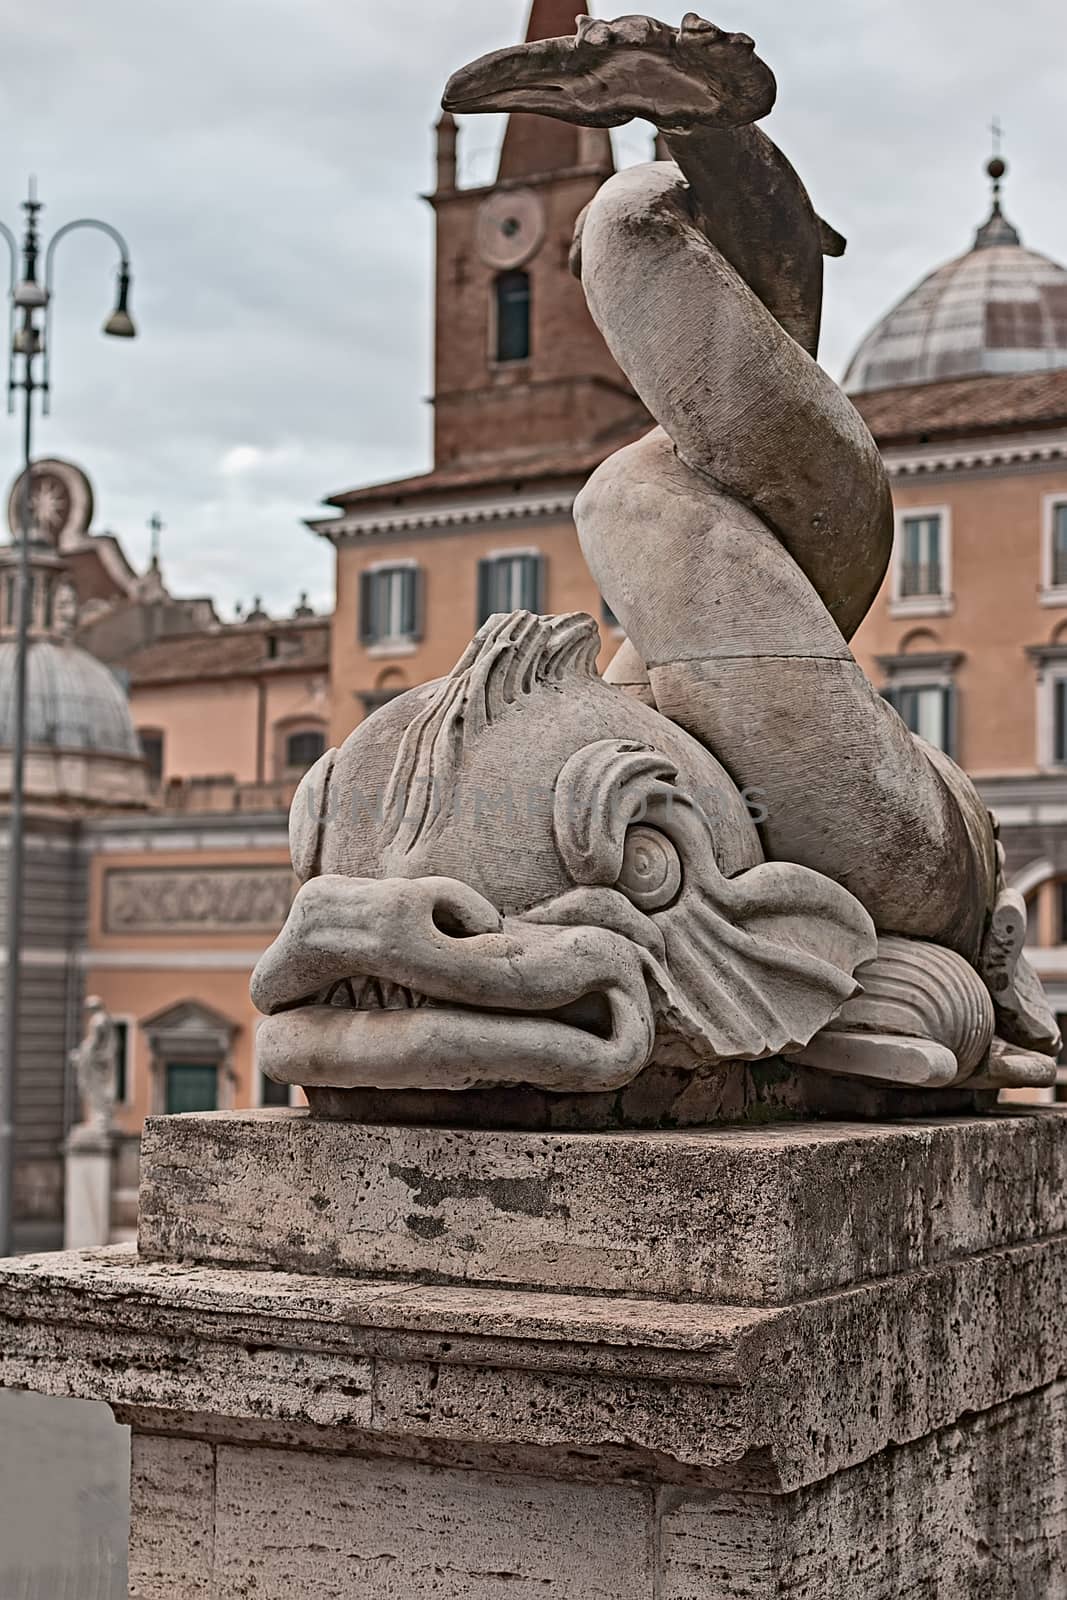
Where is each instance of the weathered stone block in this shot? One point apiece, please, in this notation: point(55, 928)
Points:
point(812, 1360)
point(939, 1517)
point(390, 1530)
point(770, 1214)
point(172, 1518)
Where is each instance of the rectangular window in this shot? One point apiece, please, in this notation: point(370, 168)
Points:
point(273, 1094)
point(191, 1087)
point(1059, 545)
point(390, 602)
point(921, 557)
point(513, 316)
point(928, 710)
point(152, 750)
point(510, 583)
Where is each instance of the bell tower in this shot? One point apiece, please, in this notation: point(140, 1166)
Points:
point(521, 371)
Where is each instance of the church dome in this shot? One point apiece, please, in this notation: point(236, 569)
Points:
point(73, 702)
point(998, 309)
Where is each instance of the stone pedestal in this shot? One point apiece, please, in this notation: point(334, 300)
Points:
point(821, 1360)
point(90, 1162)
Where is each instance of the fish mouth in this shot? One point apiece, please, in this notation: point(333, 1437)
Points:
point(424, 985)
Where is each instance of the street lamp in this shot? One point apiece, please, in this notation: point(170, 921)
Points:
point(28, 339)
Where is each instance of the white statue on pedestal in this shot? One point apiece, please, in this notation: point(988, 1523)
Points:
point(95, 1062)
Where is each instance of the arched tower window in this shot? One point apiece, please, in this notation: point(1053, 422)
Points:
point(513, 316)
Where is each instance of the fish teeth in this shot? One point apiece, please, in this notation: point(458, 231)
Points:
point(395, 997)
point(372, 994)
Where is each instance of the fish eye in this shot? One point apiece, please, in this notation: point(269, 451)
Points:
point(651, 875)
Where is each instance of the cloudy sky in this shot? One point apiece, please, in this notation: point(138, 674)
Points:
point(265, 157)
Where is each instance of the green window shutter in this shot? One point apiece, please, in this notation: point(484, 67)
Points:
point(486, 590)
point(1059, 704)
point(1059, 546)
point(367, 620)
point(191, 1087)
point(417, 629)
point(951, 719)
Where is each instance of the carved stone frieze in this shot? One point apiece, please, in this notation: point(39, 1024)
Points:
point(149, 900)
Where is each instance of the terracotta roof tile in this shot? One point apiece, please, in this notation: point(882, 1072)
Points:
point(558, 464)
point(962, 407)
point(232, 651)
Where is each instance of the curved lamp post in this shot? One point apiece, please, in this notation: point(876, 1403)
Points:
point(29, 337)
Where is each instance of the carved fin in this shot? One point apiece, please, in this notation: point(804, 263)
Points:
point(1024, 1017)
point(754, 964)
point(922, 994)
point(880, 1058)
point(1009, 1067)
point(833, 243)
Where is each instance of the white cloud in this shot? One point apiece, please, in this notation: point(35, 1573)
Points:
point(241, 459)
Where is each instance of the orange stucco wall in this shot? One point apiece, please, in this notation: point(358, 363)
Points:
point(138, 992)
point(450, 564)
point(997, 521)
point(212, 728)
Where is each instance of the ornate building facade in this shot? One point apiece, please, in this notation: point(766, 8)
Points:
point(83, 759)
point(164, 749)
point(964, 385)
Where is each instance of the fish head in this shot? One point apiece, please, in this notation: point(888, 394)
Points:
point(520, 874)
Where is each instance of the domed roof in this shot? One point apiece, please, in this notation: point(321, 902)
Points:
point(998, 309)
point(73, 702)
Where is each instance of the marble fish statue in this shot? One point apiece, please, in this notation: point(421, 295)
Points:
point(457, 927)
point(522, 875)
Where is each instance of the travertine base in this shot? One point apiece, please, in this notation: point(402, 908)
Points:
point(816, 1361)
point(90, 1159)
point(937, 1518)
